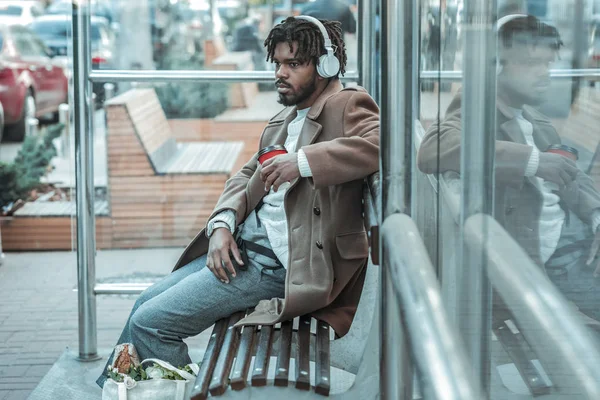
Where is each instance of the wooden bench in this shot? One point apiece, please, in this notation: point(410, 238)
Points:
point(301, 353)
point(161, 192)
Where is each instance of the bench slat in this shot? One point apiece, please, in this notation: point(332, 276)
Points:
point(516, 346)
point(218, 384)
point(243, 358)
point(322, 378)
point(303, 354)
point(283, 360)
point(200, 390)
point(263, 355)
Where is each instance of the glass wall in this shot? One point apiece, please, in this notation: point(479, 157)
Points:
point(164, 147)
point(512, 134)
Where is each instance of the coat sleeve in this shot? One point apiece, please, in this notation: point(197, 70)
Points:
point(355, 153)
point(234, 195)
point(582, 197)
point(440, 150)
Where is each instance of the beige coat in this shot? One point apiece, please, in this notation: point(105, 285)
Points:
point(327, 239)
point(518, 202)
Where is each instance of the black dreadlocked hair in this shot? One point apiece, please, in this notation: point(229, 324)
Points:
point(311, 44)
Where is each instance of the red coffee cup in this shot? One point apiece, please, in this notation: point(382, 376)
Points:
point(563, 150)
point(269, 152)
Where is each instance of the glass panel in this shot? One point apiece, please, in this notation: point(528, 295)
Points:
point(546, 196)
point(190, 34)
point(163, 153)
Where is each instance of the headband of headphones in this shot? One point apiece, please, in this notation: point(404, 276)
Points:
point(320, 26)
point(507, 18)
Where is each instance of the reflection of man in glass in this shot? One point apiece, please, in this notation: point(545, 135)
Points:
point(549, 206)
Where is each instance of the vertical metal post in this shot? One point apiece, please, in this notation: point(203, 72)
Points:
point(366, 45)
point(31, 127)
point(64, 118)
point(109, 90)
point(396, 148)
point(84, 180)
point(477, 175)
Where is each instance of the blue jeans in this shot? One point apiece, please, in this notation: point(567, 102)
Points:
point(188, 301)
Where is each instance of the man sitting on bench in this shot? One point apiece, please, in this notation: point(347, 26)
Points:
point(286, 236)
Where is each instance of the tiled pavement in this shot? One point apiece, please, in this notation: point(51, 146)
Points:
point(38, 308)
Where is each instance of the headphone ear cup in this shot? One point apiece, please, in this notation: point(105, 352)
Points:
point(328, 66)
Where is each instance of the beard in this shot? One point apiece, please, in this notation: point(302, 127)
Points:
point(296, 97)
point(523, 93)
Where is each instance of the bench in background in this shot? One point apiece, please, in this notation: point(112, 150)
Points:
point(161, 192)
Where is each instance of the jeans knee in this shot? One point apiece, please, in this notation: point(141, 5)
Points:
point(140, 321)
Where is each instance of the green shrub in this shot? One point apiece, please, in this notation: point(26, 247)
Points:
point(190, 99)
point(18, 178)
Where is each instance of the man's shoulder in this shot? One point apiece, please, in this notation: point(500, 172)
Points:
point(339, 100)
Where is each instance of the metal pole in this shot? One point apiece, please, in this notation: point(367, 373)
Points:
point(477, 167)
point(366, 45)
point(31, 127)
point(109, 91)
point(396, 147)
point(63, 118)
point(84, 178)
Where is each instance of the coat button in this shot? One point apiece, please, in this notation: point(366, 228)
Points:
point(319, 244)
point(317, 211)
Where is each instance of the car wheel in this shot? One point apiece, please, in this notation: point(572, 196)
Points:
point(16, 132)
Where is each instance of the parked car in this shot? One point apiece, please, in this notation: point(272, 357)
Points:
point(55, 32)
point(31, 82)
point(20, 12)
point(65, 7)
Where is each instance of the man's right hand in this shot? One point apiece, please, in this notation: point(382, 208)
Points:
point(556, 168)
point(218, 258)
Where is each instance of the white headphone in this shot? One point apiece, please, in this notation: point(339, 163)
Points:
point(501, 22)
point(328, 65)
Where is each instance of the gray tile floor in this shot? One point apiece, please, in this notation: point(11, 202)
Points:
point(39, 315)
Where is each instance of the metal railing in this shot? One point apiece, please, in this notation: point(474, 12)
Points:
point(438, 354)
point(83, 132)
point(456, 76)
point(194, 76)
point(566, 348)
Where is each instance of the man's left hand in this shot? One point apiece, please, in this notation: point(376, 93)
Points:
point(593, 252)
point(279, 169)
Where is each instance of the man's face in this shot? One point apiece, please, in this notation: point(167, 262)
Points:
point(296, 80)
point(525, 76)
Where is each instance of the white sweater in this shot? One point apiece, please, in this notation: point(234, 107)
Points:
point(272, 213)
point(552, 216)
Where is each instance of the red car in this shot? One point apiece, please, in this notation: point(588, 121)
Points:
point(31, 85)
